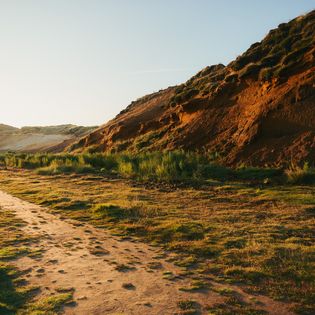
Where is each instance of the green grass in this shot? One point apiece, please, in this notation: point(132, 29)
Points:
point(196, 285)
point(12, 295)
point(49, 305)
point(234, 305)
point(301, 175)
point(11, 252)
point(175, 166)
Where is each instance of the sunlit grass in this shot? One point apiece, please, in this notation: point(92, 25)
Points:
point(259, 236)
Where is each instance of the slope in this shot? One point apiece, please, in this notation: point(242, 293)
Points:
point(258, 110)
point(40, 139)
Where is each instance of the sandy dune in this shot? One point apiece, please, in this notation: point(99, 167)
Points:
point(30, 142)
point(40, 139)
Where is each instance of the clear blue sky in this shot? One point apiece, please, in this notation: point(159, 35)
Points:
point(82, 61)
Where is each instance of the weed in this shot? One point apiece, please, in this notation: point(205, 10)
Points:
point(300, 175)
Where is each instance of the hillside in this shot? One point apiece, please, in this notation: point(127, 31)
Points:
point(5, 129)
point(259, 109)
point(40, 139)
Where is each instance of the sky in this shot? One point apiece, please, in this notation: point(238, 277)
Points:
point(83, 61)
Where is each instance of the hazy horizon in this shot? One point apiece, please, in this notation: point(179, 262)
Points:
point(81, 62)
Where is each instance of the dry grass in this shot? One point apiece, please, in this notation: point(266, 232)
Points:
point(260, 237)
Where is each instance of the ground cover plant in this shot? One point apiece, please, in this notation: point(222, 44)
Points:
point(174, 166)
point(248, 232)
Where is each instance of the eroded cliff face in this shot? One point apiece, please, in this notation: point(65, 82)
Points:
point(259, 109)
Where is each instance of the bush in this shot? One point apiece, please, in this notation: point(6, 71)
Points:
point(106, 162)
point(251, 69)
point(102, 211)
point(171, 166)
point(295, 56)
point(66, 166)
point(271, 60)
point(133, 213)
point(256, 173)
point(266, 74)
point(127, 167)
point(300, 175)
point(189, 231)
point(185, 95)
point(214, 171)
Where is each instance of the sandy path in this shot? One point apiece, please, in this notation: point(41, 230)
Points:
point(85, 258)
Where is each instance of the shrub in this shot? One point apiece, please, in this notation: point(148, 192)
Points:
point(185, 95)
point(272, 59)
point(127, 167)
point(133, 213)
point(300, 175)
point(171, 166)
point(256, 173)
point(102, 211)
point(231, 78)
point(266, 74)
point(214, 171)
point(240, 62)
point(189, 231)
point(102, 161)
point(250, 70)
point(66, 166)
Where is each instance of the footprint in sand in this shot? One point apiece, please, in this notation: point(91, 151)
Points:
point(53, 261)
point(128, 286)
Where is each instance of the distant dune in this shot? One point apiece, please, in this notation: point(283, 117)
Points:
point(40, 139)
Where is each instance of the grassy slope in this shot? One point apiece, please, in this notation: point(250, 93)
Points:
point(259, 237)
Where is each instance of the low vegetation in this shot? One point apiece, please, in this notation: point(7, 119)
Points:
point(300, 175)
point(277, 55)
point(247, 229)
point(13, 294)
point(175, 166)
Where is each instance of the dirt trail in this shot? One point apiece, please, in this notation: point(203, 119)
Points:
point(77, 255)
